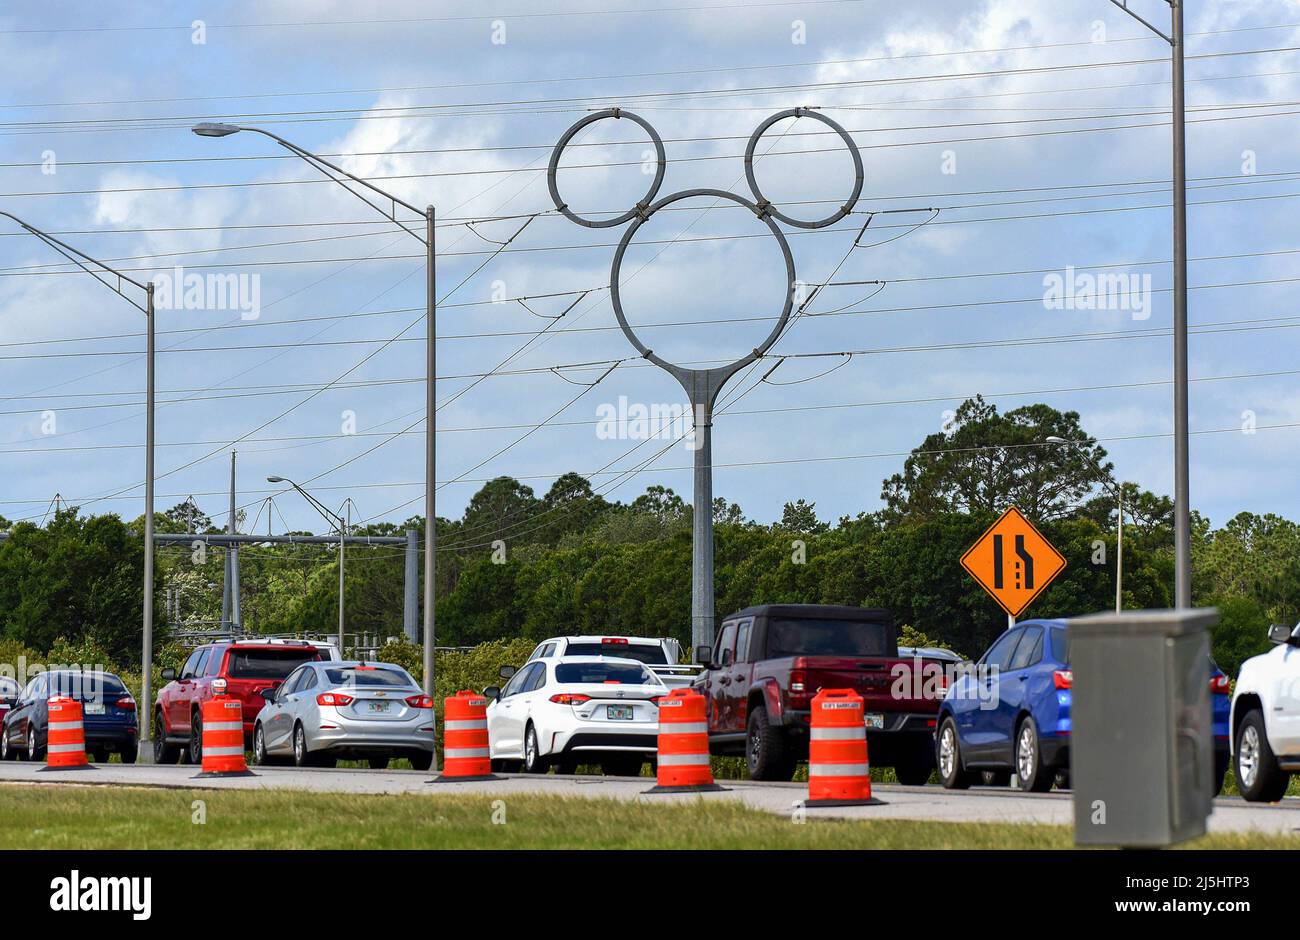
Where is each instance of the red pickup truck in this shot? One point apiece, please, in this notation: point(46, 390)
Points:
point(247, 666)
point(769, 662)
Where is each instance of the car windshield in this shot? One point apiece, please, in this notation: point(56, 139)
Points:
point(652, 653)
point(86, 686)
point(267, 663)
point(1060, 645)
point(806, 636)
point(368, 676)
point(613, 673)
point(8, 687)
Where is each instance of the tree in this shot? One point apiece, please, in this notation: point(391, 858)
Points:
point(502, 507)
point(187, 517)
point(801, 517)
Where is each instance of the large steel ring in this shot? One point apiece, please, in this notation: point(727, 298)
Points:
point(641, 207)
point(615, 271)
point(767, 205)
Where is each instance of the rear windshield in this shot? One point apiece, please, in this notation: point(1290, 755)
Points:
point(651, 653)
point(267, 663)
point(86, 686)
point(807, 636)
point(8, 687)
point(620, 673)
point(1060, 645)
point(389, 678)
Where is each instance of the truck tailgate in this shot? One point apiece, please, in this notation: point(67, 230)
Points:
point(885, 684)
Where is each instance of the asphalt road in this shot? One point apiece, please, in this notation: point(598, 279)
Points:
point(931, 803)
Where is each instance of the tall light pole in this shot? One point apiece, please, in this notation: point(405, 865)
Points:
point(340, 523)
point(115, 281)
point(1118, 492)
point(1182, 485)
point(333, 172)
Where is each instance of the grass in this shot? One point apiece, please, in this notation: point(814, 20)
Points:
point(78, 817)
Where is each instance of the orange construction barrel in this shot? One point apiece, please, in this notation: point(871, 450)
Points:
point(65, 738)
point(839, 773)
point(466, 756)
point(683, 758)
point(223, 738)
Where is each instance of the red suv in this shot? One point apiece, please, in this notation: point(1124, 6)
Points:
point(248, 667)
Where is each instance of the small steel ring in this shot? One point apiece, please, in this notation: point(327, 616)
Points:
point(553, 168)
point(853, 152)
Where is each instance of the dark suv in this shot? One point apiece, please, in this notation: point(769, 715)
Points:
point(247, 666)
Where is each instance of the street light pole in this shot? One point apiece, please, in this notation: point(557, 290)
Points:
point(334, 519)
point(1182, 484)
point(116, 282)
point(208, 129)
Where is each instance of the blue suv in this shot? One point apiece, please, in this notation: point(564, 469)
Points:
point(1011, 712)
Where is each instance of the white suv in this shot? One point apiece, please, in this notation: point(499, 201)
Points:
point(1266, 718)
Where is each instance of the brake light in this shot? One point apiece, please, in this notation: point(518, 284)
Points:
point(336, 699)
point(1219, 685)
point(1063, 678)
point(420, 701)
point(654, 699)
point(126, 703)
point(614, 641)
point(570, 698)
point(798, 680)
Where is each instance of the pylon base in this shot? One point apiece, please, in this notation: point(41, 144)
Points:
point(869, 801)
point(688, 788)
point(443, 778)
point(223, 773)
point(41, 770)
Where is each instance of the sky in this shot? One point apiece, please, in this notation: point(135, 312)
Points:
point(1003, 144)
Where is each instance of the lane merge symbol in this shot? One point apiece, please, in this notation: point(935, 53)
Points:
point(1013, 561)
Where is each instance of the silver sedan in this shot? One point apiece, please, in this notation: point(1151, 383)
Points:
point(327, 711)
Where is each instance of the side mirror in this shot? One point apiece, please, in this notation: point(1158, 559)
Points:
point(169, 674)
point(493, 692)
point(505, 672)
point(704, 655)
point(1280, 634)
point(269, 694)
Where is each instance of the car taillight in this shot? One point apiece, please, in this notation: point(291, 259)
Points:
point(654, 699)
point(337, 699)
point(614, 641)
point(126, 703)
point(570, 698)
point(798, 680)
point(1063, 678)
point(420, 701)
point(1219, 685)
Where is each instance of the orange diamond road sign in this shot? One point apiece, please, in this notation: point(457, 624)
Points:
point(1013, 562)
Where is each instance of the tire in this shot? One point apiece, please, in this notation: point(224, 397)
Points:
point(196, 739)
point(379, 763)
point(421, 760)
point(260, 757)
point(947, 747)
point(99, 757)
point(130, 752)
point(1034, 776)
point(34, 753)
point(767, 754)
point(301, 756)
point(163, 753)
point(534, 762)
point(995, 778)
point(913, 774)
point(6, 752)
point(620, 766)
point(1258, 776)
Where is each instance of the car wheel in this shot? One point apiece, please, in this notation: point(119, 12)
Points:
point(620, 766)
point(259, 746)
point(6, 752)
point(913, 774)
point(129, 752)
point(1258, 776)
point(948, 756)
point(766, 753)
point(379, 763)
point(301, 756)
point(34, 753)
point(99, 757)
point(196, 739)
point(163, 753)
point(1034, 777)
point(421, 760)
point(534, 762)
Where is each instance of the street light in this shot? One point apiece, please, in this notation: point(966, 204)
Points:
point(95, 268)
point(210, 129)
point(335, 520)
point(1119, 526)
point(1182, 486)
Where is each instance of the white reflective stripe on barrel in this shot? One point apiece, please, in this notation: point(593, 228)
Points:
point(65, 726)
point(222, 751)
point(224, 726)
point(65, 748)
point(468, 724)
point(850, 733)
point(839, 770)
point(684, 727)
point(453, 753)
point(682, 760)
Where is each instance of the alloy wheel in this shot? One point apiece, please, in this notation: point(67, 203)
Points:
point(530, 749)
point(1248, 756)
point(947, 751)
point(31, 743)
point(1026, 755)
point(300, 747)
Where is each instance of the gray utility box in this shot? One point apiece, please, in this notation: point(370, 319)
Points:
point(1142, 747)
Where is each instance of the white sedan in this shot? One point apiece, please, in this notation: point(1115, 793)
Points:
point(575, 710)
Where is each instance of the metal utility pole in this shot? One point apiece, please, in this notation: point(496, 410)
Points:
point(1182, 483)
point(702, 386)
point(208, 129)
point(116, 281)
point(334, 519)
point(232, 558)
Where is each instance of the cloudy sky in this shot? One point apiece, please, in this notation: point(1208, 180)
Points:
point(1002, 141)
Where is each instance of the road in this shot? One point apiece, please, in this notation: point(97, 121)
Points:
point(931, 803)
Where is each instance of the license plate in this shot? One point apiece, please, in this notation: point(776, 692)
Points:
point(377, 707)
point(875, 720)
point(94, 708)
point(618, 712)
